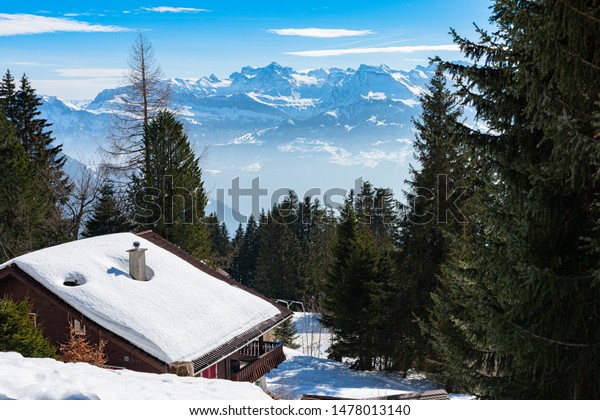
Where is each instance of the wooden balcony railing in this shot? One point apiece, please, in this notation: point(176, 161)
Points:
point(262, 356)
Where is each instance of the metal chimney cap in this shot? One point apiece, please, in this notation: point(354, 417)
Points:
point(136, 244)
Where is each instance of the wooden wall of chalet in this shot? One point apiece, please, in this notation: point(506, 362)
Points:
point(54, 315)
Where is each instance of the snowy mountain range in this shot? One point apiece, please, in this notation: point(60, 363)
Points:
point(256, 105)
point(339, 124)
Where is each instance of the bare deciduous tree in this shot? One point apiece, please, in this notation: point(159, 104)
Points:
point(86, 189)
point(144, 94)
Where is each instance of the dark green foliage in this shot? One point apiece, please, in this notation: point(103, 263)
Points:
point(169, 193)
point(243, 265)
point(279, 264)
point(23, 207)
point(8, 95)
point(109, 214)
point(18, 331)
point(34, 134)
point(376, 208)
point(348, 291)
point(287, 333)
point(221, 247)
point(516, 313)
point(421, 241)
point(21, 108)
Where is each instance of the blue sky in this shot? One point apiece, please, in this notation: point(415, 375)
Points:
point(74, 49)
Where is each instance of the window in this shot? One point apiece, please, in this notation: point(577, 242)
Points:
point(126, 358)
point(79, 327)
point(33, 317)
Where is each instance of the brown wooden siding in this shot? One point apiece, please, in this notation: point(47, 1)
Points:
point(54, 315)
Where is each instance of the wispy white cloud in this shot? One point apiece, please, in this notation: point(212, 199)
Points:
point(374, 50)
point(26, 24)
point(340, 156)
point(169, 9)
point(320, 32)
point(91, 73)
point(253, 167)
point(26, 63)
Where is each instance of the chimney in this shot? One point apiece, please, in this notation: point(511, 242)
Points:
point(137, 262)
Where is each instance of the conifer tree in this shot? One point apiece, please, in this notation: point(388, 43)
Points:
point(23, 206)
point(170, 196)
point(421, 239)
point(287, 334)
point(8, 95)
point(245, 260)
point(221, 247)
point(515, 314)
point(279, 262)
point(22, 111)
point(108, 214)
point(34, 134)
point(347, 299)
point(19, 332)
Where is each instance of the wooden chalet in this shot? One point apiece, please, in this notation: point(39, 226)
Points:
point(184, 318)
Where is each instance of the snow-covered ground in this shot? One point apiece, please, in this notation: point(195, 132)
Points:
point(301, 374)
point(314, 339)
point(46, 379)
point(308, 371)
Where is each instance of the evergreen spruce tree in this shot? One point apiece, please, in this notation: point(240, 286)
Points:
point(319, 236)
point(8, 95)
point(23, 206)
point(34, 134)
point(170, 197)
point(108, 214)
point(347, 301)
point(279, 262)
point(221, 247)
point(18, 330)
point(515, 316)
point(246, 258)
point(420, 241)
point(233, 269)
point(287, 334)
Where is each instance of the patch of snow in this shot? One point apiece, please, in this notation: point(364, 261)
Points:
point(180, 314)
point(375, 96)
point(332, 113)
point(303, 79)
point(293, 100)
point(314, 339)
point(47, 379)
point(185, 111)
point(375, 121)
point(409, 102)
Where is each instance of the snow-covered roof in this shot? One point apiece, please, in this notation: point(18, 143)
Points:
point(180, 314)
point(47, 379)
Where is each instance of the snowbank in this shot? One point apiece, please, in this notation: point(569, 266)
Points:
point(46, 379)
